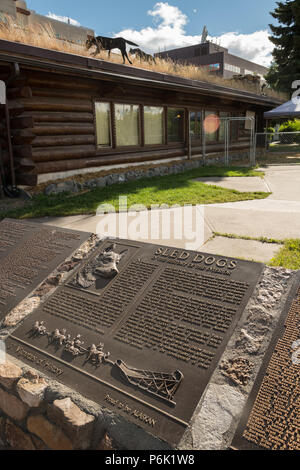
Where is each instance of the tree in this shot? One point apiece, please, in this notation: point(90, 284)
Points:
point(286, 37)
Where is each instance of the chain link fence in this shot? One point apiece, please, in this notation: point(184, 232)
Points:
point(276, 142)
point(249, 125)
point(229, 148)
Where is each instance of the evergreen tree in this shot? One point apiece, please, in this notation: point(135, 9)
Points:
point(286, 37)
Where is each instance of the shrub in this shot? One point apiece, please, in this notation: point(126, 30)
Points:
point(271, 132)
point(290, 126)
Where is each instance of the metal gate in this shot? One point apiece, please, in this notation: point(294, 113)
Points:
point(227, 122)
point(251, 121)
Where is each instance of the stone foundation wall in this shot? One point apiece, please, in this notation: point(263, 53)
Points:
point(38, 413)
point(72, 184)
point(28, 421)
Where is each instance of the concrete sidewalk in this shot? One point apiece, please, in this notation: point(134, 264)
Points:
point(184, 228)
point(239, 183)
point(276, 217)
point(283, 181)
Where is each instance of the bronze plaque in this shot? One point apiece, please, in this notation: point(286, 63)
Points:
point(271, 418)
point(29, 252)
point(140, 328)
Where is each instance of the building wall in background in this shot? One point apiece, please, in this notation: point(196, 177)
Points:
point(25, 17)
point(214, 58)
point(8, 7)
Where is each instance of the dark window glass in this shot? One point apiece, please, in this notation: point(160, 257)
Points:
point(222, 128)
point(195, 125)
point(211, 126)
point(234, 130)
point(175, 125)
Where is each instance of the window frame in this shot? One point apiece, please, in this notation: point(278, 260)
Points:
point(217, 113)
point(140, 130)
point(142, 146)
point(154, 146)
point(113, 148)
point(197, 142)
point(228, 116)
point(183, 141)
point(108, 147)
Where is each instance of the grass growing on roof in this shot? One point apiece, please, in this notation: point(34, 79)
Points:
point(171, 189)
point(43, 35)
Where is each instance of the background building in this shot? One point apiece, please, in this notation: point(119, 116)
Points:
point(25, 17)
point(214, 58)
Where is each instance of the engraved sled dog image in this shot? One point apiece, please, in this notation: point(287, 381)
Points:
point(104, 265)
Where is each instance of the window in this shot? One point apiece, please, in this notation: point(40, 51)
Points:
point(127, 124)
point(235, 127)
point(249, 72)
point(153, 125)
point(232, 68)
point(211, 67)
point(214, 67)
point(175, 125)
point(211, 126)
point(195, 125)
point(222, 128)
point(103, 127)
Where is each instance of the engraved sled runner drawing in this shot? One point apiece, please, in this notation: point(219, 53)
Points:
point(160, 384)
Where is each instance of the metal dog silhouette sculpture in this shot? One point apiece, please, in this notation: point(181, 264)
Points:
point(142, 55)
point(107, 44)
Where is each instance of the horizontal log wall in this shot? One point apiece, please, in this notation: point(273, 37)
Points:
point(89, 162)
point(53, 124)
point(52, 121)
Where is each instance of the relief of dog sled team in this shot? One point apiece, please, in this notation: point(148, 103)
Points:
point(107, 44)
point(74, 346)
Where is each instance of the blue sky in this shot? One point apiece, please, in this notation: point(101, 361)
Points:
point(240, 25)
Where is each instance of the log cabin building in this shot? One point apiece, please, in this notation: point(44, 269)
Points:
point(70, 114)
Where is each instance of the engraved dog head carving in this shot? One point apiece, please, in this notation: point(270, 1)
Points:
point(107, 262)
point(104, 265)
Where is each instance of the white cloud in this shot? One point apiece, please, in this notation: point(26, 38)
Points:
point(64, 19)
point(255, 46)
point(168, 32)
point(169, 16)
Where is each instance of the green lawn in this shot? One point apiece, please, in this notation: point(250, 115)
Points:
point(171, 189)
point(288, 256)
point(284, 147)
